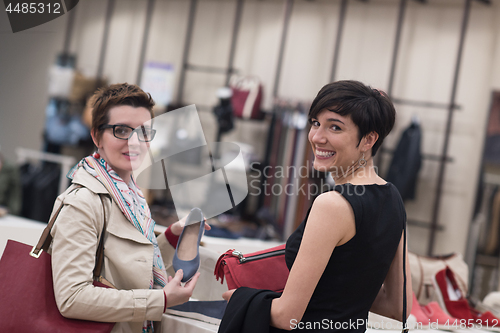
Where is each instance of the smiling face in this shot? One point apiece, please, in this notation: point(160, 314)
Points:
point(334, 140)
point(123, 155)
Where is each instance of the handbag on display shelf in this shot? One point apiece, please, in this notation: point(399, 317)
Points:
point(423, 270)
point(247, 97)
point(260, 270)
point(27, 292)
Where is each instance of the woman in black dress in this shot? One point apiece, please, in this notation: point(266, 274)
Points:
point(346, 258)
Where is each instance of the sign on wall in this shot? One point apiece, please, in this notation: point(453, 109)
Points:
point(158, 80)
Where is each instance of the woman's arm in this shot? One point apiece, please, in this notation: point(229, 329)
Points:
point(167, 241)
point(167, 248)
point(389, 301)
point(322, 234)
point(75, 236)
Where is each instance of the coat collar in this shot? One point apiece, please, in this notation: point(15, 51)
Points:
point(118, 224)
point(82, 177)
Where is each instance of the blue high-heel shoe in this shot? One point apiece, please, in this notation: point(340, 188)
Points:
point(187, 252)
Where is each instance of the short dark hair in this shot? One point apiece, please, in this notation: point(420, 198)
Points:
point(116, 95)
point(370, 109)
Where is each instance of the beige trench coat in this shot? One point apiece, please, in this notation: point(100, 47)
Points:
point(128, 261)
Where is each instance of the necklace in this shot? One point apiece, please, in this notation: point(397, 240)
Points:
point(344, 175)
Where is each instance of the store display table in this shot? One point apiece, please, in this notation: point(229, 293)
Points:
point(29, 231)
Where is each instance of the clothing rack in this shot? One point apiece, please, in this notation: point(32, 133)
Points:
point(442, 158)
point(281, 182)
point(277, 80)
point(483, 251)
point(284, 211)
point(66, 162)
point(483, 241)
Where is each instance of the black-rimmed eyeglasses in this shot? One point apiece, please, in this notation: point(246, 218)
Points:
point(124, 132)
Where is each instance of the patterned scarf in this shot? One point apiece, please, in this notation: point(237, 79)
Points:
point(135, 208)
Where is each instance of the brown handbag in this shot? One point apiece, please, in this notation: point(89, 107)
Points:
point(27, 292)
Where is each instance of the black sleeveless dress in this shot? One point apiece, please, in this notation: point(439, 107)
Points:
point(356, 269)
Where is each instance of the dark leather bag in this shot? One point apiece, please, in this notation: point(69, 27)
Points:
point(27, 293)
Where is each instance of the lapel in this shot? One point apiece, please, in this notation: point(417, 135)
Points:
point(118, 224)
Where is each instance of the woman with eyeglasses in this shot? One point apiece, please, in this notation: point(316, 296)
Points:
point(103, 189)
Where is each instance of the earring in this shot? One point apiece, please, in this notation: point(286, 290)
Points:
point(362, 161)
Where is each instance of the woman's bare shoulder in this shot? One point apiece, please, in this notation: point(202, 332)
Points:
point(332, 204)
point(331, 201)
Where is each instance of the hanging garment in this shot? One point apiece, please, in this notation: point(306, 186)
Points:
point(224, 114)
point(63, 130)
point(406, 162)
point(491, 247)
point(10, 187)
point(486, 210)
point(40, 186)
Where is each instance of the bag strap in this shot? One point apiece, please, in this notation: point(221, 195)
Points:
point(421, 284)
point(219, 266)
point(405, 328)
point(46, 238)
point(99, 257)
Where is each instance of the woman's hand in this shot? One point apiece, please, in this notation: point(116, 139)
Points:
point(177, 293)
point(227, 295)
point(178, 226)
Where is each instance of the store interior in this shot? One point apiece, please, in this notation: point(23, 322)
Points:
point(438, 60)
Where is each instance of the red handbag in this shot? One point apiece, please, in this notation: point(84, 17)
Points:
point(260, 270)
point(27, 292)
point(247, 97)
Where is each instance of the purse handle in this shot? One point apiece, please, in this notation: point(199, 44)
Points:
point(46, 238)
point(405, 328)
